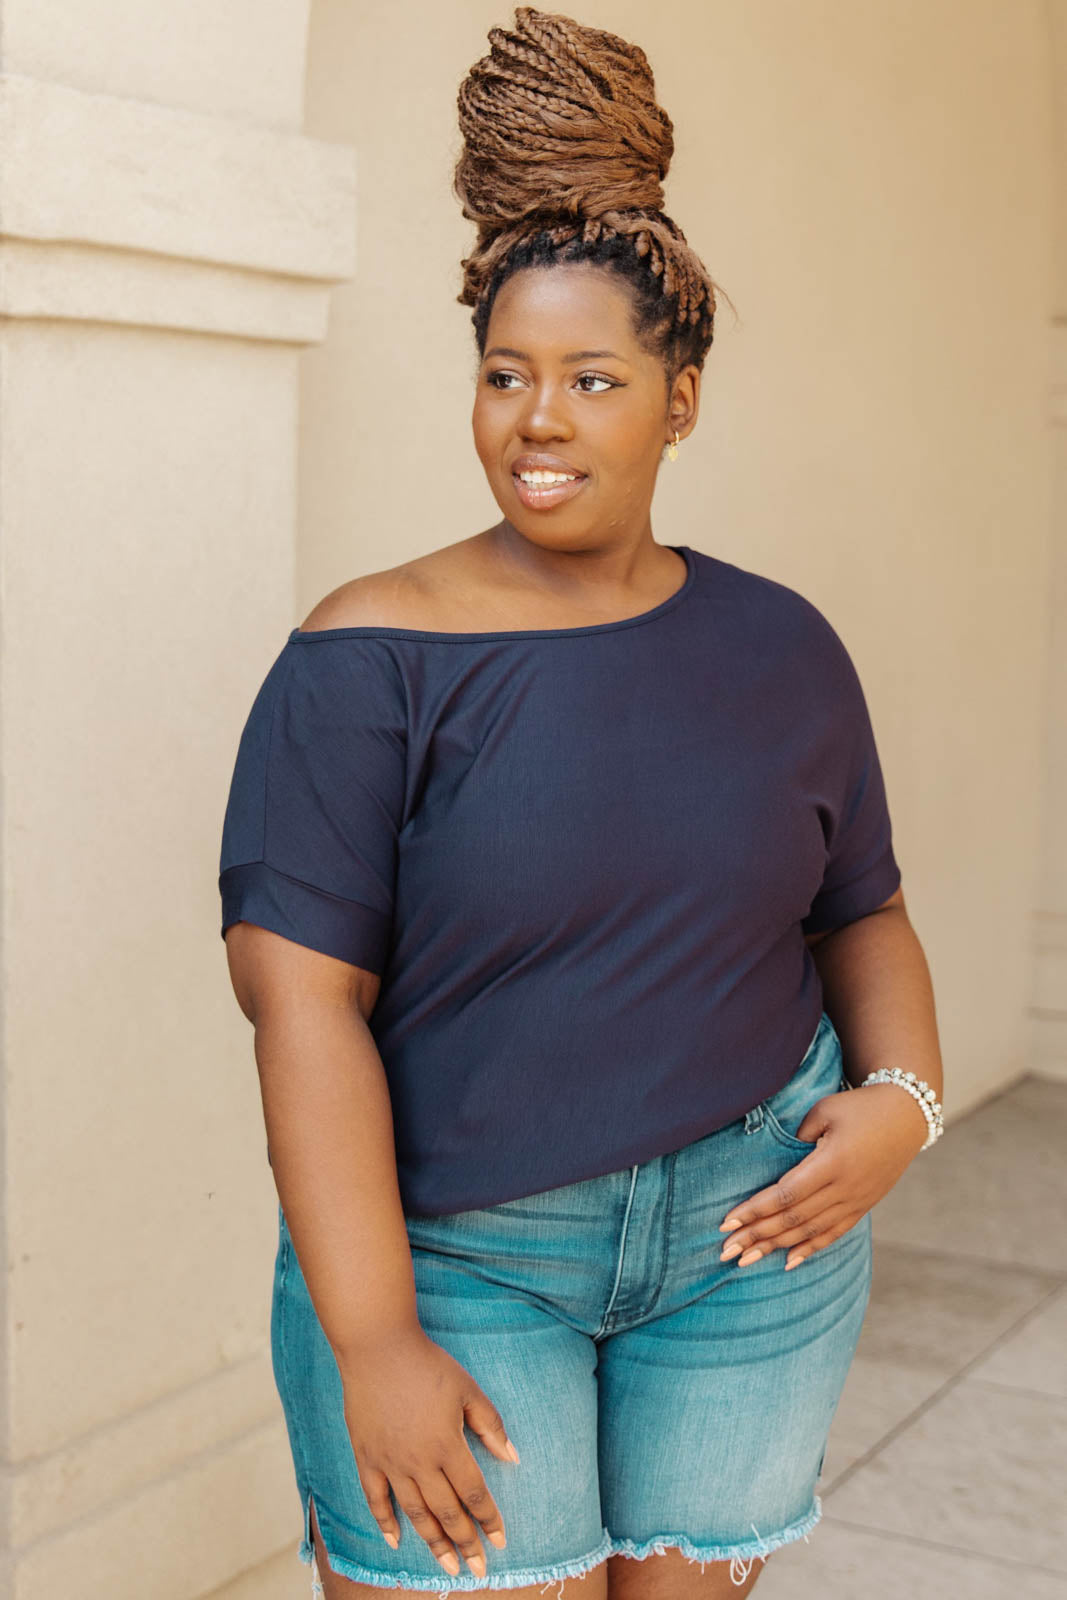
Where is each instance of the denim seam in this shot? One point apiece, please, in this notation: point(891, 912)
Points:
point(668, 1212)
point(789, 1139)
point(605, 1320)
point(579, 1567)
point(769, 1119)
point(303, 1480)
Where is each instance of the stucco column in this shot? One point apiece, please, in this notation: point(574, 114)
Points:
point(168, 244)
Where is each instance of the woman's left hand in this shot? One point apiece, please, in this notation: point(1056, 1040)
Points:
point(866, 1138)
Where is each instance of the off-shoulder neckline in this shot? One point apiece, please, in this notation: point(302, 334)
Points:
point(310, 636)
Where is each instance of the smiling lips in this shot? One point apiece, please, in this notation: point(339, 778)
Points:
point(541, 461)
point(542, 482)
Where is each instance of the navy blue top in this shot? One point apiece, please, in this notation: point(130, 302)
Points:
point(583, 861)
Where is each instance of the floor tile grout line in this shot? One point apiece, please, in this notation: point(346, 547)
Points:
point(943, 1389)
point(940, 1544)
point(1019, 1388)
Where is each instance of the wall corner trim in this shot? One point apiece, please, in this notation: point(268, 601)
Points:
point(123, 210)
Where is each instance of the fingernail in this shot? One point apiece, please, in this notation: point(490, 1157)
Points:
point(731, 1222)
point(477, 1565)
point(391, 1538)
point(729, 1250)
point(450, 1564)
point(511, 1450)
point(498, 1539)
point(749, 1257)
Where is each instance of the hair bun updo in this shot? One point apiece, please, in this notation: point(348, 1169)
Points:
point(564, 156)
point(560, 119)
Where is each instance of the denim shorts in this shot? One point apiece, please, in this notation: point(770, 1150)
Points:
point(657, 1397)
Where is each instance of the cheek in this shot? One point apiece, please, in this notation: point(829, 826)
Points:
point(490, 436)
point(625, 448)
point(488, 413)
point(625, 471)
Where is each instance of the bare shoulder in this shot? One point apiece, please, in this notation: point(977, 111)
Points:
point(426, 592)
point(374, 600)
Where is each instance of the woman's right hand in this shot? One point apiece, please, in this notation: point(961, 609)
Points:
point(406, 1401)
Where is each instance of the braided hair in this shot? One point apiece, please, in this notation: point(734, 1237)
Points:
point(564, 156)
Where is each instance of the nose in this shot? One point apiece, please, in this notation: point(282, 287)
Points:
point(545, 416)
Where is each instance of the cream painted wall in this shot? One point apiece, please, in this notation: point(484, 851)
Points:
point(239, 59)
point(873, 186)
point(168, 241)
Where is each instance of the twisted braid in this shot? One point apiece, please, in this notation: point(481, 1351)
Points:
point(564, 156)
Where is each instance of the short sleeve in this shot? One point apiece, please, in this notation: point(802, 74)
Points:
point(315, 807)
point(861, 869)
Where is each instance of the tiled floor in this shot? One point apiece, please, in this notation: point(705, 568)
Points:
point(946, 1472)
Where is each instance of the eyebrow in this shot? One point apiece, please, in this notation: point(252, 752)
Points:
point(572, 355)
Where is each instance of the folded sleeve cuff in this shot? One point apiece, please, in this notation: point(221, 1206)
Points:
point(347, 929)
point(833, 908)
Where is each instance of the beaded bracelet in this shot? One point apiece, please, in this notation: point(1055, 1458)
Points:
point(920, 1090)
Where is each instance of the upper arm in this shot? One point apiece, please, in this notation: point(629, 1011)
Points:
point(267, 969)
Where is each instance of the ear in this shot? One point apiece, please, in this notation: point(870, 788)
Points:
point(683, 406)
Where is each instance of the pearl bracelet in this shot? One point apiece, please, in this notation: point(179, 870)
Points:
point(920, 1090)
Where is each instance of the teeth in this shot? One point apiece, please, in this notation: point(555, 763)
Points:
point(548, 477)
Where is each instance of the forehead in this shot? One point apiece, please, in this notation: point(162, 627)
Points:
point(549, 310)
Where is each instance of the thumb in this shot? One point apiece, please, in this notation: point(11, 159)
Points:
point(816, 1120)
point(483, 1418)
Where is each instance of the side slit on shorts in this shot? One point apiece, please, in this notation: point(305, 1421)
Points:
point(658, 1398)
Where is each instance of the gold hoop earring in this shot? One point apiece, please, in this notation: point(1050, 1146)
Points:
point(672, 449)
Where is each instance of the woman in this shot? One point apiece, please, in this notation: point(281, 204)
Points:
point(543, 855)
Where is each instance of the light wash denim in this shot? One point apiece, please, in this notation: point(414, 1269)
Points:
point(656, 1396)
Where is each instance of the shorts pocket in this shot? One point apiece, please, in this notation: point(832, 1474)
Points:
point(821, 1072)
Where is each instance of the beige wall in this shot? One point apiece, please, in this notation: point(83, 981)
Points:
point(168, 242)
point(191, 452)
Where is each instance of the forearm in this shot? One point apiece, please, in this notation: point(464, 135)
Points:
point(879, 997)
point(330, 1133)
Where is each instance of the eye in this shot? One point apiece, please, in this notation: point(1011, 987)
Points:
point(594, 377)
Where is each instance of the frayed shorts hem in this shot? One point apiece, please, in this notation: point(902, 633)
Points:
point(578, 1568)
point(737, 1555)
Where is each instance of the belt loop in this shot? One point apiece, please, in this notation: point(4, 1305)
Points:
point(754, 1119)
